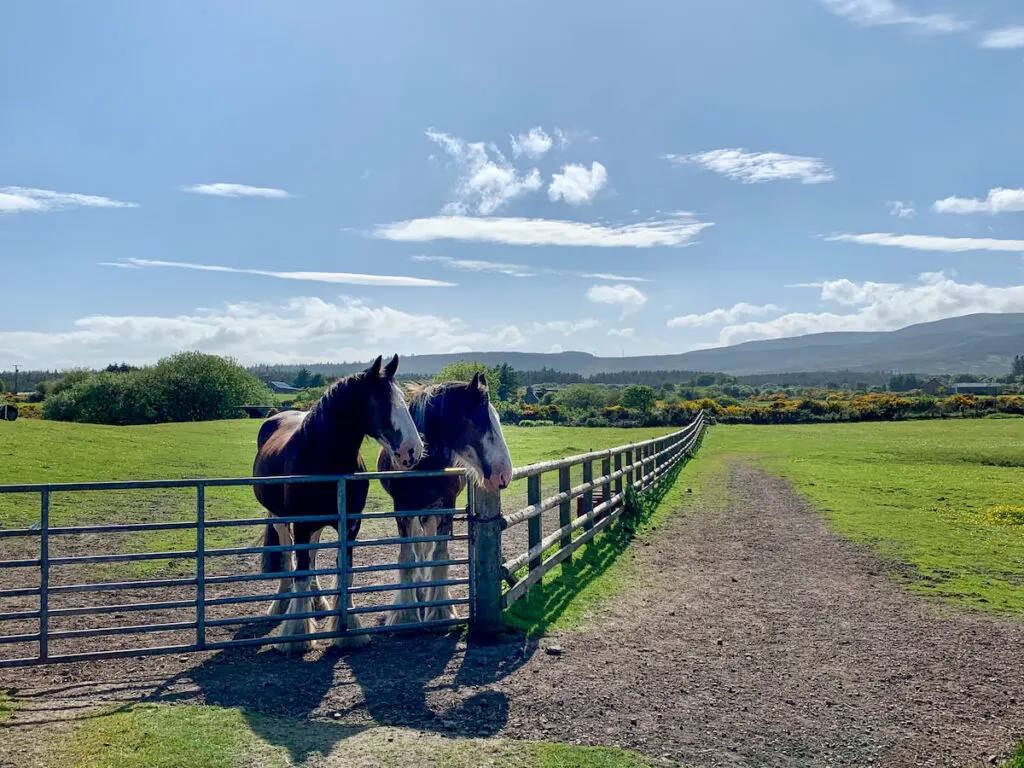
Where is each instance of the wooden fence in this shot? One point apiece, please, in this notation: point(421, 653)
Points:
point(637, 465)
point(190, 605)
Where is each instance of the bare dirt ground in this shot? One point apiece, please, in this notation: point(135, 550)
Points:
point(753, 637)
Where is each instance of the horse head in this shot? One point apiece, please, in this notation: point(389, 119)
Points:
point(389, 422)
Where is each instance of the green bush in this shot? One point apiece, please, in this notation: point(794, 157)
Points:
point(187, 387)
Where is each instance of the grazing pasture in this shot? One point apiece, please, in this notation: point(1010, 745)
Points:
point(665, 625)
point(936, 499)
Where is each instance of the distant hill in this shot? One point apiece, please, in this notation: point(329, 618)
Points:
point(981, 343)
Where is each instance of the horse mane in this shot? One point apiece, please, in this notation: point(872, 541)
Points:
point(334, 399)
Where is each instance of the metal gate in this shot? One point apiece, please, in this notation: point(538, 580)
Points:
point(52, 601)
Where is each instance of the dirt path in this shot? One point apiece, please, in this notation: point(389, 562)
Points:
point(756, 638)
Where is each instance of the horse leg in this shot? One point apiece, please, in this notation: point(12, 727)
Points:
point(322, 602)
point(278, 562)
point(407, 526)
point(295, 621)
point(442, 526)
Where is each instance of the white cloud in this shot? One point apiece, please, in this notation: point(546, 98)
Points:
point(299, 330)
point(759, 167)
point(567, 327)
point(870, 13)
point(222, 189)
point(613, 277)
point(576, 185)
point(999, 200)
point(484, 184)
point(478, 265)
point(29, 200)
point(900, 209)
point(678, 230)
point(517, 270)
point(722, 316)
point(622, 333)
point(534, 144)
point(621, 295)
point(1001, 39)
point(883, 307)
point(931, 242)
point(347, 278)
point(556, 349)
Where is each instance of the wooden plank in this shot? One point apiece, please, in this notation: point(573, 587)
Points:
point(486, 619)
point(588, 496)
point(535, 524)
point(565, 508)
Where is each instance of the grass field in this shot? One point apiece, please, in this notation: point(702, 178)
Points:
point(165, 736)
point(943, 501)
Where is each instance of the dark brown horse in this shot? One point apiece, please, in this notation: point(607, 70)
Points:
point(460, 429)
point(326, 441)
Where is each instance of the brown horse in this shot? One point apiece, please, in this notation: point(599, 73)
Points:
point(460, 429)
point(326, 441)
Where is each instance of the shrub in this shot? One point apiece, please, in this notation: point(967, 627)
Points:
point(186, 387)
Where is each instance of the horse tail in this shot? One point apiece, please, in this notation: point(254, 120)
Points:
point(272, 562)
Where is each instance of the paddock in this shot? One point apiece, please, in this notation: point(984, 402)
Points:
point(85, 592)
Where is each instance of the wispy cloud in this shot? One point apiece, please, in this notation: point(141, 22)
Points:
point(759, 167)
point(347, 278)
point(521, 270)
point(609, 276)
point(479, 265)
point(622, 333)
point(223, 189)
point(677, 230)
point(871, 13)
point(625, 296)
point(883, 307)
point(722, 316)
point(930, 242)
point(901, 210)
point(29, 200)
point(999, 200)
point(566, 327)
point(534, 143)
point(485, 183)
point(294, 331)
point(577, 185)
point(1003, 39)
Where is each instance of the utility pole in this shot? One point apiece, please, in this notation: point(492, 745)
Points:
point(15, 379)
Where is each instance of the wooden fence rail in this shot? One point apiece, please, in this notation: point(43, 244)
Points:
point(637, 465)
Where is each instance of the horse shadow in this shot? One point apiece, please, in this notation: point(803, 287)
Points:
point(428, 681)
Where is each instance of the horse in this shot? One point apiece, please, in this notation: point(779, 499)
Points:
point(460, 428)
point(326, 441)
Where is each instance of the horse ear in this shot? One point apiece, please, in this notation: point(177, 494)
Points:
point(391, 367)
point(374, 370)
point(479, 381)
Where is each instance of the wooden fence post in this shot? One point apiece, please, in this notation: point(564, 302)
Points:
point(629, 463)
point(565, 507)
point(534, 524)
point(618, 480)
point(486, 621)
point(606, 487)
point(588, 496)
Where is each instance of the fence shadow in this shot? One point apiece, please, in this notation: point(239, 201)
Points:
point(546, 602)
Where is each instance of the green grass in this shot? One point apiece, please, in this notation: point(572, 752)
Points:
point(6, 705)
point(173, 736)
point(1017, 761)
point(33, 451)
point(919, 493)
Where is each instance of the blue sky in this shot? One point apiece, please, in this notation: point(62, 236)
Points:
point(434, 177)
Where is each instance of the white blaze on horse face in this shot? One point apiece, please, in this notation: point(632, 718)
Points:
point(410, 446)
point(496, 454)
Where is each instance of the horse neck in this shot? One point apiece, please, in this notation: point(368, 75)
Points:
point(332, 429)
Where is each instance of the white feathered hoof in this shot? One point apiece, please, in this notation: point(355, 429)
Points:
point(347, 641)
